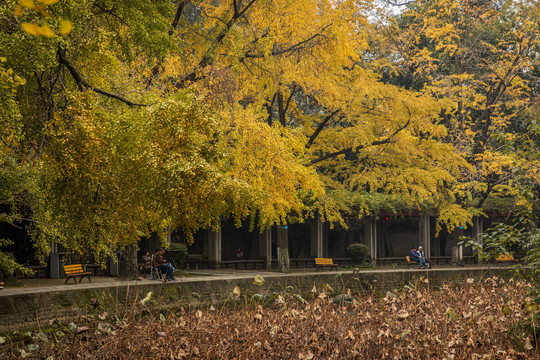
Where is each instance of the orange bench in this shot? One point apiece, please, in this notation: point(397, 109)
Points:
point(505, 258)
point(74, 271)
point(322, 262)
point(410, 262)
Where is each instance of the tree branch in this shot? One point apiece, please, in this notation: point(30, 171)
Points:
point(291, 48)
point(207, 58)
point(81, 83)
point(235, 5)
point(269, 109)
point(155, 68)
point(400, 4)
point(290, 97)
point(177, 16)
point(320, 128)
point(350, 149)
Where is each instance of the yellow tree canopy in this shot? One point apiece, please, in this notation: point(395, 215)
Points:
point(307, 66)
point(479, 59)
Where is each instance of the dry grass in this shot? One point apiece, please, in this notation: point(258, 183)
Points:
point(458, 321)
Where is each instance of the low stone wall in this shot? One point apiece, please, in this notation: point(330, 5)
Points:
point(41, 308)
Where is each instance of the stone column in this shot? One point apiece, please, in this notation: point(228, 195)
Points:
point(54, 261)
point(317, 238)
point(424, 234)
point(265, 247)
point(457, 250)
point(370, 230)
point(212, 248)
point(478, 234)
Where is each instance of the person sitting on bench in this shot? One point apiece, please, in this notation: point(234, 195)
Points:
point(415, 256)
point(423, 256)
point(147, 260)
point(162, 264)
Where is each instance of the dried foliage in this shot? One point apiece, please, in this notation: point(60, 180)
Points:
point(457, 321)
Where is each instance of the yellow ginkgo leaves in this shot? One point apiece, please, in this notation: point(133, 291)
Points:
point(65, 26)
point(18, 11)
point(30, 4)
point(44, 30)
point(36, 30)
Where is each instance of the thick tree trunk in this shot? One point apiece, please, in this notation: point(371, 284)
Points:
point(128, 261)
point(284, 264)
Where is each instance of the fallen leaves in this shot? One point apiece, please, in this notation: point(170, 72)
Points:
point(458, 322)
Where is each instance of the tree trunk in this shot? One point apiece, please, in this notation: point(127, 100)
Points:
point(457, 250)
point(284, 264)
point(281, 109)
point(128, 261)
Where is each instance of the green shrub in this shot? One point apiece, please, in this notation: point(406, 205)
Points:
point(179, 254)
point(359, 253)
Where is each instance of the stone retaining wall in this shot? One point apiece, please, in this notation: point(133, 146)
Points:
point(42, 308)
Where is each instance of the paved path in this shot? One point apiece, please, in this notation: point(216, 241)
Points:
point(34, 286)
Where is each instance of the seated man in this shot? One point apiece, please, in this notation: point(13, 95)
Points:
point(162, 264)
point(423, 256)
point(415, 256)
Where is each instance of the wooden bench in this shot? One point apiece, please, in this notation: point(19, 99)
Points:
point(74, 271)
point(505, 258)
point(243, 264)
point(410, 262)
point(322, 262)
point(196, 261)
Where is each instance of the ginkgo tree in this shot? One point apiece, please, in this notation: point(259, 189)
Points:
point(143, 116)
point(307, 66)
point(480, 60)
point(115, 159)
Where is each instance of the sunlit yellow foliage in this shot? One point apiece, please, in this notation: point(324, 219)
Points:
point(470, 56)
point(41, 30)
point(18, 11)
point(273, 110)
point(30, 4)
point(65, 26)
point(384, 139)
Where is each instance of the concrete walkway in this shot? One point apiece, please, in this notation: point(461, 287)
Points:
point(35, 286)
